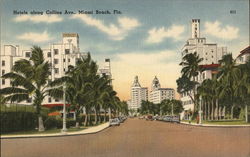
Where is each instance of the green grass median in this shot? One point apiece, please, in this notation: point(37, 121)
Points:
point(49, 131)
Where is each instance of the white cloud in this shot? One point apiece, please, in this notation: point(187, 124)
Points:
point(146, 66)
point(157, 35)
point(38, 18)
point(116, 32)
point(215, 29)
point(35, 37)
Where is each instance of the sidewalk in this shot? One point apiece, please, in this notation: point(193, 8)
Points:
point(214, 125)
point(90, 130)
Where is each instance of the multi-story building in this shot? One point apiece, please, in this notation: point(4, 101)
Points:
point(243, 56)
point(59, 55)
point(157, 94)
point(138, 94)
point(211, 55)
point(210, 52)
point(106, 69)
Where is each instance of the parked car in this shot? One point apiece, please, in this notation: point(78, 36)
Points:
point(149, 117)
point(176, 119)
point(114, 122)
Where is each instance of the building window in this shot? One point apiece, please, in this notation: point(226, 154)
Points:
point(203, 75)
point(49, 100)
point(56, 70)
point(3, 63)
point(55, 51)
point(3, 72)
point(27, 54)
point(49, 54)
point(63, 59)
point(212, 56)
point(55, 61)
point(3, 81)
point(56, 100)
point(29, 100)
point(67, 51)
point(68, 60)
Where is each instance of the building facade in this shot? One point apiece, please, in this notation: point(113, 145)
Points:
point(59, 55)
point(244, 56)
point(157, 94)
point(210, 52)
point(211, 55)
point(138, 94)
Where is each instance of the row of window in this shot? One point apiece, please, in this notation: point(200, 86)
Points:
point(56, 52)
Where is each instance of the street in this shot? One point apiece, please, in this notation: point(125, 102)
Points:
point(137, 138)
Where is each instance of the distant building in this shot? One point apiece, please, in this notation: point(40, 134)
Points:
point(243, 56)
point(211, 55)
point(157, 94)
point(106, 69)
point(138, 94)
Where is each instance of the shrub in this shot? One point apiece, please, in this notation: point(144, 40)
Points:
point(17, 121)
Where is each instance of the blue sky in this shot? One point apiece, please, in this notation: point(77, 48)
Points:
point(144, 40)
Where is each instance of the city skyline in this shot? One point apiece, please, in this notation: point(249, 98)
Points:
point(140, 41)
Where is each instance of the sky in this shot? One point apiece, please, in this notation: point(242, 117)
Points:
point(143, 38)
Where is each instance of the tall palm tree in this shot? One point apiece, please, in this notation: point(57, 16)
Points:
point(191, 68)
point(29, 79)
point(226, 74)
point(242, 85)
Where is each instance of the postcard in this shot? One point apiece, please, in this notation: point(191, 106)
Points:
point(118, 78)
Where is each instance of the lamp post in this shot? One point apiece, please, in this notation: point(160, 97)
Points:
point(64, 129)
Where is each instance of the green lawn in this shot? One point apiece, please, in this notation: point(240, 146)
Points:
point(50, 131)
point(221, 122)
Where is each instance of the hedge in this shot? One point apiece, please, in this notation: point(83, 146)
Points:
point(17, 121)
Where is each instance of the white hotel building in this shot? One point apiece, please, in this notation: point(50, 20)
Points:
point(59, 55)
point(157, 94)
point(210, 53)
point(138, 94)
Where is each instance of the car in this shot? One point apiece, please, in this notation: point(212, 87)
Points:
point(149, 117)
point(114, 122)
point(176, 119)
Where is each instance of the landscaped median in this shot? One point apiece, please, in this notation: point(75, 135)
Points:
point(222, 123)
point(57, 132)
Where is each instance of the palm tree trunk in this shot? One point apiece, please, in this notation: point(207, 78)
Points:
point(209, 111)
point(246, 113)
point(232, 112)
point(109, 113)
point(95, 116)
point(40, 123)
point(105, 114)
point(212, 114)
point(217, 109)
point(205, 110)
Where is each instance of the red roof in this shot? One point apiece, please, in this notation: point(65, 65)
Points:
point(208, 66)
point(54, 105)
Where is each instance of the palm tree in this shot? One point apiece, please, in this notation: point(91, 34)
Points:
point(226, 74)
point(242, 85)
point(29, 78)
point(191, 68)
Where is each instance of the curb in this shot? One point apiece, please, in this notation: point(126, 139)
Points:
point(215, 126)
point(56, 135)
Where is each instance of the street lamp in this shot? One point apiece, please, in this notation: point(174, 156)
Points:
point(64, 129)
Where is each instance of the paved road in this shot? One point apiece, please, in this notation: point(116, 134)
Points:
point(138, 138)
